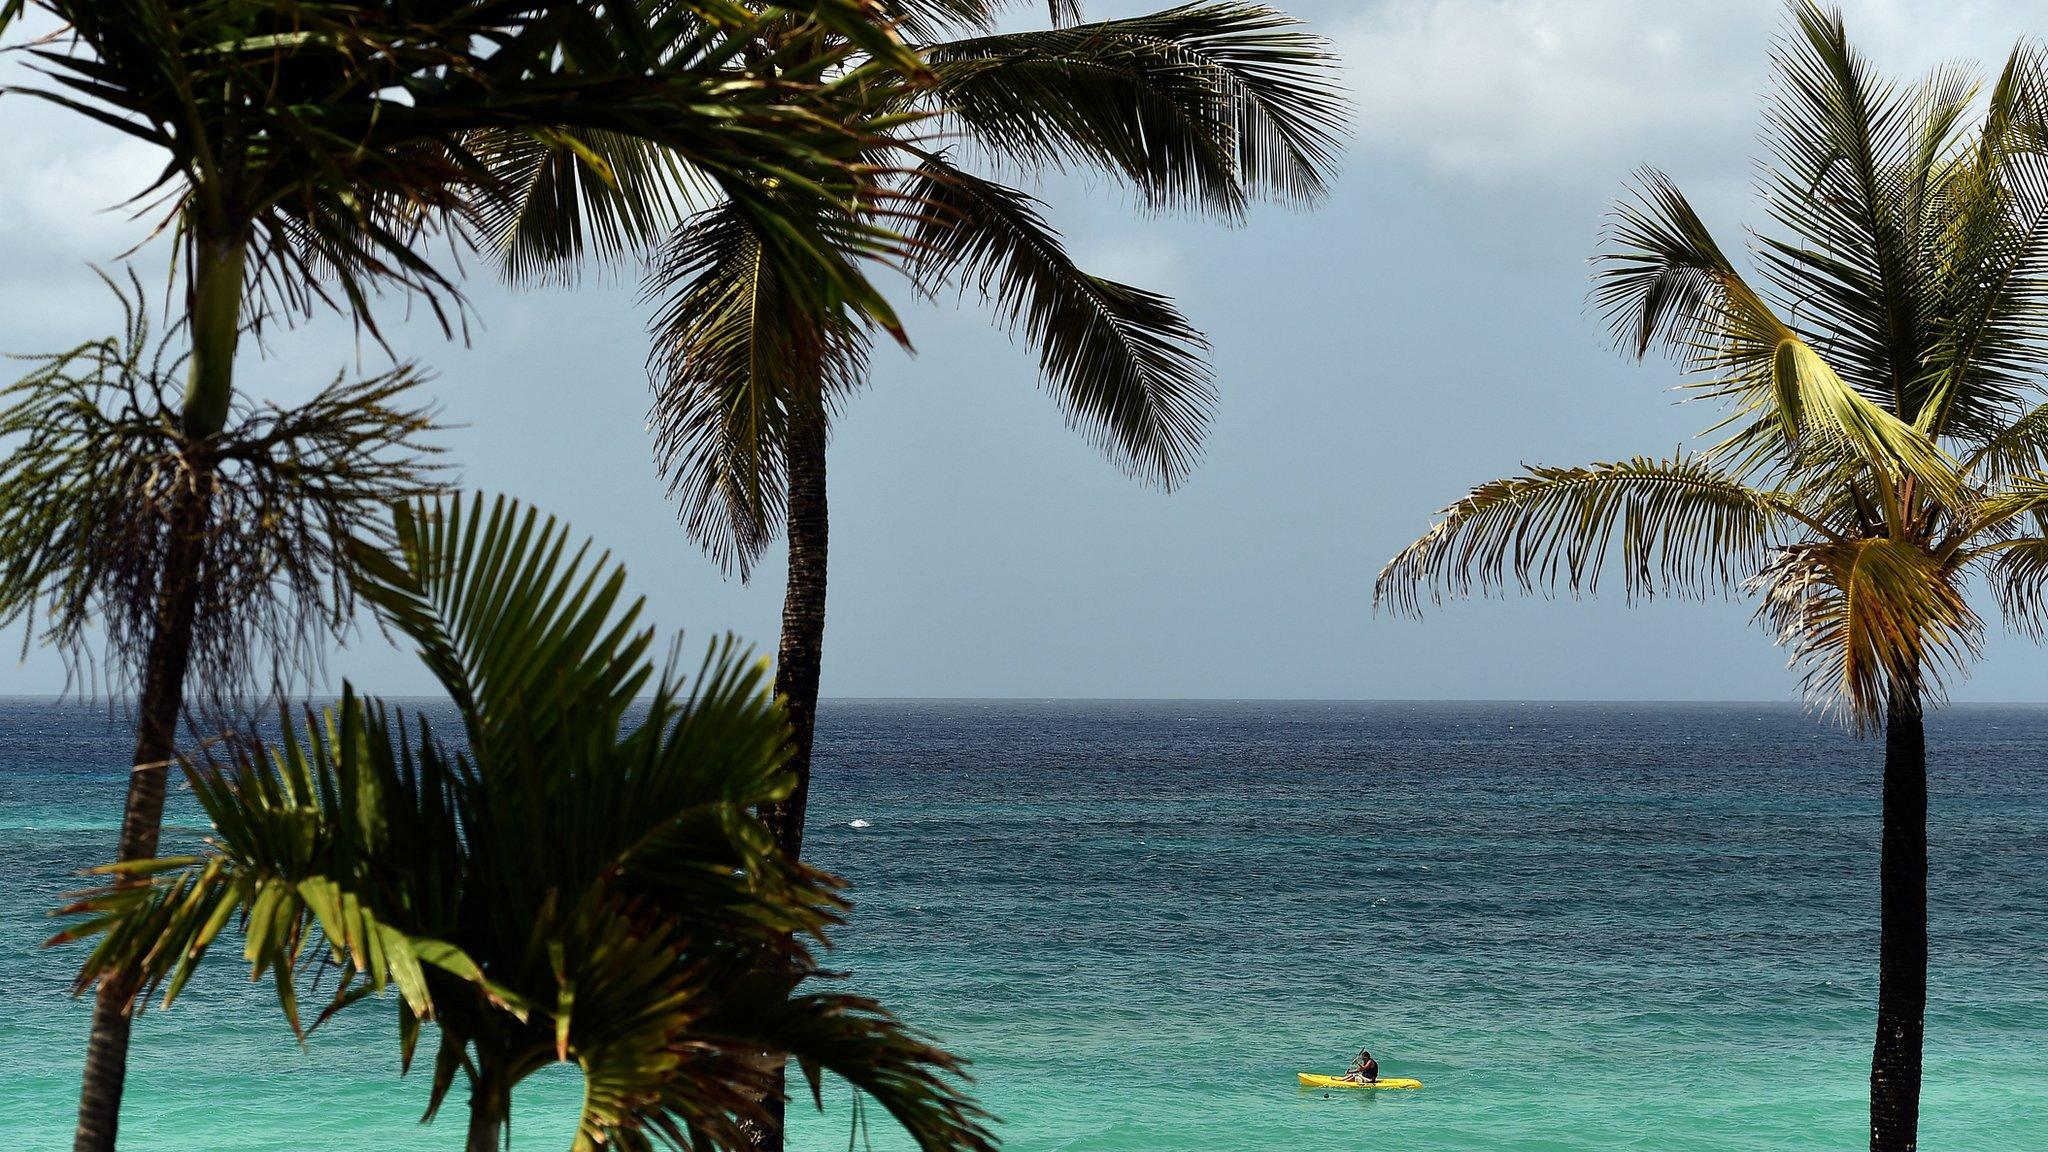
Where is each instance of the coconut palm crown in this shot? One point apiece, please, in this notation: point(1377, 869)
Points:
point(1207, 106)
point(1885, 436)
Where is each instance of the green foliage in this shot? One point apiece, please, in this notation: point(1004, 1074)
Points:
point(1885, 427)
point(743, 353)
point(1200, 106)
point(331, 139)
point(89, 490)
point(1681, 526)
point(575, 879)
point(1206, 106)
point(1123, 363)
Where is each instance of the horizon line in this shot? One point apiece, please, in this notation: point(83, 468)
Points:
point(66, 697)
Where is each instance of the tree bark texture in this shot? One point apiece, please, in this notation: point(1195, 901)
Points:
point(1902, 939)
point(161, 702)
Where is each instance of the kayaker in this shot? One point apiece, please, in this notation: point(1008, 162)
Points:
point(1364, 1070)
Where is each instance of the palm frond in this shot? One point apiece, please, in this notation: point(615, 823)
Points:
point(1996, 514)
point(1990, 265)
point(1851, 152)
point(859, 1041)
point(735, 353)
point(297, 840)
point(1124, 364)
point(525, 633)
point(1203, 105)
point(91, 488)
point(601, 196)
point(1873, 622)
point(572, 885)
point(2018, 449)
point(1827, 418)
point(2017, 572)
point(1664, 280)
point(923, 21)
point(1679, 526)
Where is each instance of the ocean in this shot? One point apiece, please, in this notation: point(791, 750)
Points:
point(1583, 926)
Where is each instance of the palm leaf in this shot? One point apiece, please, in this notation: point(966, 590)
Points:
point(1853, 153)
point(527, 636)
point(1991, 263)
point(735, 353)
point(2018, 449)
point(2017, 572)
point(1873, 621)
point(1664, 280)
point(296, 839)
point(1199, 105)
point(1124, 363)
point(601, 195)
point(569, 886)
point(1681, 526)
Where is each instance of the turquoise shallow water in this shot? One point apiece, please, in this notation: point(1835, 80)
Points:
point(1583, 926)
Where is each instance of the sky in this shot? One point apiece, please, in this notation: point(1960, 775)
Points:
point(1424, 330)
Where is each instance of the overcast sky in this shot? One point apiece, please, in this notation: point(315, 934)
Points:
point(1424, 330)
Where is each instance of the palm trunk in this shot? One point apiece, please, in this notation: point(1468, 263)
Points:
point(803, 617)
point(163, 695)
point(214, 313)
point(798, 662)
point(216, 320)
point(1902, 938)
point(490, 1106)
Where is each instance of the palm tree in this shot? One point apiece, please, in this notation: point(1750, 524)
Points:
point(1885, 443)
point(95, 498)
point(572, 880)
point(311, 150)
point(90, 485)
point(1205, 106)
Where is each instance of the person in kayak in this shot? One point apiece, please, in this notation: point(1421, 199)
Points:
point(1364, 1070)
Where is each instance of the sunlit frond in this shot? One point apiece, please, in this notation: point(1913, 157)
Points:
point(1679, 527)
point(570, 883)
point(1664, 279)
point(1873, 622)
point(1826, 419)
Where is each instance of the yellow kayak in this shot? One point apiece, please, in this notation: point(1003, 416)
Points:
point(1311, 1080)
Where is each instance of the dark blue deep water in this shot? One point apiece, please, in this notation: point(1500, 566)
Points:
point(1583, 926)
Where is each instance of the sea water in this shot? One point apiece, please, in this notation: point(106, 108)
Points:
point(1582, 926)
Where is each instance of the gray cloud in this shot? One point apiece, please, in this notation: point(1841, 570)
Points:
point(1425, 331)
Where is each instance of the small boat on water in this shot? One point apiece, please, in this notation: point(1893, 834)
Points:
point(1312, 1080)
